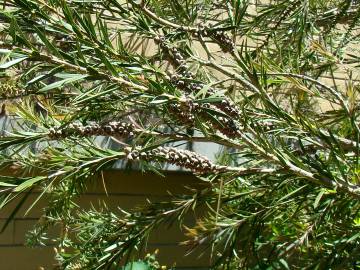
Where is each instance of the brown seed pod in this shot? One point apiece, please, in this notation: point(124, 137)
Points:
point(183, 158)
point(182, 82)
point(184, 111)
point(92, 129)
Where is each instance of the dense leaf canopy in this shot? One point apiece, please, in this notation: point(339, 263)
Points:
point(88, 84)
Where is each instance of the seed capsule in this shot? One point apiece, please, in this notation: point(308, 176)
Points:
point(76, 129)
point(184, 158)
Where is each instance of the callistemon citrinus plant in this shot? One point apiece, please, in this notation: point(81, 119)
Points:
point(273, 83)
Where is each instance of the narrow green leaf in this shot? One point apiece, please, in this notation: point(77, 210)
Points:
point(3, 184)
point(29, 183)
point(5, 51)
point(318, 198)
point(46, 42)
point(13, 62)
point(106, 62)
point(284, 263)
point(113, 246)
point(58, 84)
point(44, 76)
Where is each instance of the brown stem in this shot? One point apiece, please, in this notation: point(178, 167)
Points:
point(82, 70)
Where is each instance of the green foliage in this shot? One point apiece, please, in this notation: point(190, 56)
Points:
point(149, 263)
point(87, 85)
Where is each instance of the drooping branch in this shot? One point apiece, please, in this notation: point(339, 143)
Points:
point(38, 56)
point(128, 130)
point(189, 160)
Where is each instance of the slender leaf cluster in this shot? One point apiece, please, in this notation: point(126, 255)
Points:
point(86, 85)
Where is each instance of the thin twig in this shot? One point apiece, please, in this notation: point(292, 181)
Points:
point(82, 70)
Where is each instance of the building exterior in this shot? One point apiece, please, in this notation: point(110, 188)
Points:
point(125, 190)
point(118, 188)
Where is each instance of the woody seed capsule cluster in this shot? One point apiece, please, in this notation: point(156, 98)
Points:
point(226, 126)
point(76, 129)
point(224, 41)
point(183, 158)
point(185, 113)
point(220, 37)
point(226, 105)
point(185, 110)
point(184, 81)
point(181, 81)
point(176, 57)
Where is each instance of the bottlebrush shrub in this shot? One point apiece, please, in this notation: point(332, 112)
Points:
point(274, 83)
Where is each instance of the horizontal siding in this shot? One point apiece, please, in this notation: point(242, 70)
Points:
point(18, 257)
point(125, 190)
